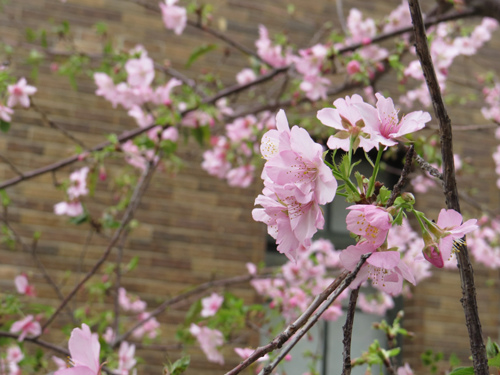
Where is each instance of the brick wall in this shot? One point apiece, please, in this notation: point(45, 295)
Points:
point(193, 226)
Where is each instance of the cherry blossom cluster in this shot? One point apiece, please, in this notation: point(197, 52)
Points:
point(76, 190)
point(18, 95)
point(297, 182)
point(444, 49)
point(233, 157)
point(484, 242)
point(10, 363)
point(299, 281)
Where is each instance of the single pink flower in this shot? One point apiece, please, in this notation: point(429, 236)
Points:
point(71, 209)
point(384, 268)
point(244, 353)
point(347, 119)
point(384, 121)
point(84, 349)
point(209, 340)
point(23, 286)
point(353, 67)
point(439, 242)
point(27, 326)
point(78, 181)
point(141, 71)
point(19, 93)
point(370, 222)
point(174, 17)
point(14, 354)
point(211, 305)
point(126, 360)
point(5, 113)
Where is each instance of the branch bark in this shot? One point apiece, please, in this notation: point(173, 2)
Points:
point(469, 303)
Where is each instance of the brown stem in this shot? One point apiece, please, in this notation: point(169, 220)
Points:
point(349, 321)
point(403, 178)
point(128, 215)
point(469, 303)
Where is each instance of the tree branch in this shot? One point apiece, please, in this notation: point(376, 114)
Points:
point(469, 303)
point(349, 321)
point(336, 287)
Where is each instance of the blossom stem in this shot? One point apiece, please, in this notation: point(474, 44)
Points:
point(376, 168)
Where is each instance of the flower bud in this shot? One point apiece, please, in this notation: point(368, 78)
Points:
point(408, 197)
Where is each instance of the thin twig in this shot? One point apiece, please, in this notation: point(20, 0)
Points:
point(182, 297)
point(323, 301)
point(53, 125)
point(404, 176)
point(127, 217)
point(11, 165)
point(37, 341)
point(349, 321)
point(118, 272)
point(469, 303)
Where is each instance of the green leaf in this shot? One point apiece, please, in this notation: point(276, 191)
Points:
point(133, 263)
point(179, 366)
point(5, 198)
point(101, 28)
point(4, 126)
point(198, 52)
point(463, 371)
point(492, 348)
point(79, 219)
point(495, 361)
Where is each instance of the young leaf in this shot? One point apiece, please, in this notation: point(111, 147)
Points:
point(463, 371)
point(198, 52)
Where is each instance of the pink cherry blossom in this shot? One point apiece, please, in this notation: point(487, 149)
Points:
point(84, 349)
point(142, 119)
point(140, 71)
point(26, 326)
point(209, 340)
point(377, 303)
point(270, 53)
point(14, 354)
point(109, 336)
point(370, 222)
point(162, 93)
point(353, 67)
point(71, 209)
point(244, 353)
point(60, 363)
point(347, 119)
point(385, 124)
point(211, 304)
point(174, 17)
point(5, 113)
point(315, 87)
point(19, 93)
point(450, 221)
point(149, 328)
point(300, 162)
point(405, 370)
point(23, 286)
point(246, 76)
point(271, 140)
point(241, 177)
point(126, 360)
point(78, 180)
point(384, 268)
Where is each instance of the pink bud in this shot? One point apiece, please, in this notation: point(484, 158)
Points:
point(366, 41)
point(353, 67)
point(54, 67)
point(102, 173)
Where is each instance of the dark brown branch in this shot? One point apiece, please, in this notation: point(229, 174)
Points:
point(127, 217)
point(403, 178)
point(469, 303)
point(349, 321)
point(324, 299)
point(37, 341)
